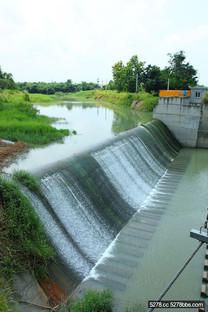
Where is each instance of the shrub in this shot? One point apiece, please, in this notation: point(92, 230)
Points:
point(93, 301)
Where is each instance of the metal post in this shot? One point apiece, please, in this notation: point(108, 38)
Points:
point(177, 275)
point(168, 84)
point(136, 83)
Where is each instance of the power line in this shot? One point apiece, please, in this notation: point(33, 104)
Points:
point(177, 275)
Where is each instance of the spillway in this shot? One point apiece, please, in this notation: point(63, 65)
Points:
point(88, 199)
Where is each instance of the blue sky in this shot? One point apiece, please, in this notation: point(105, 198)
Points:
point(47, 40)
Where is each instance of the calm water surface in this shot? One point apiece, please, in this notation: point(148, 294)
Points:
point(171, 245)
point(93, 123)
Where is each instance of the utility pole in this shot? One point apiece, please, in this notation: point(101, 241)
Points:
point(137, 83)
point(168, 84)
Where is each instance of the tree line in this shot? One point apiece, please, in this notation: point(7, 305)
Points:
point(179, 74)
point(6, 80)
point(131, 77)
point(54, 87)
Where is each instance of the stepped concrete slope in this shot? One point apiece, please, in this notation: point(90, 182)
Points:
point(115, 190)
point(123, 256)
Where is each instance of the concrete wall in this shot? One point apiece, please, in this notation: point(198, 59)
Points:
point(181, 117)
point(186, 117)
point(202, 137)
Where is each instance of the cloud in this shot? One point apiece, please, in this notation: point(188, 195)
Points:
point(79, 39)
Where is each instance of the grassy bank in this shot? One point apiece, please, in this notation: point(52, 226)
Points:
point(23, 243)
point(20, 121)
point(78, 96)
point(144, 100)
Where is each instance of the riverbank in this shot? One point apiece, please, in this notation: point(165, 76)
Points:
point(3, 208)
point(21, 127)
point(142, 100)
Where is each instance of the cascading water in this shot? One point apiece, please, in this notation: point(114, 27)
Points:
point(87, 199)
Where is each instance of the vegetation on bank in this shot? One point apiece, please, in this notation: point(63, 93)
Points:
point(144, 100)
point(77, 96)
point(135, 75)
point(23, 243)
point(91, 301)
point(54, 87)
point(7, 304)
point(20, 120)
point(95, 301)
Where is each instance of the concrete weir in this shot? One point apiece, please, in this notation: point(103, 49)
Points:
point(185, 113)
point(123, 256)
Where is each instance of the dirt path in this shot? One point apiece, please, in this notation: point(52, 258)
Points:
point(9, 151)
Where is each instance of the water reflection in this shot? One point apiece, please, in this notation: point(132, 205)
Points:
point(93, 123)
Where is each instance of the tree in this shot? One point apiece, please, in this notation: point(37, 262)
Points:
point(154, 79)
point(6, 80)
point(181, 74)
point(134, 70)
point(119, 76)
point(125, 76)
point(111, 85)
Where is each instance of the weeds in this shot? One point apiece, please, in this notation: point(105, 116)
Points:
point(125, 98)
point(27, 179)
point(6, 303)
point(78, 96)
point(92, 301)
point(23, 244)
point(20, 120)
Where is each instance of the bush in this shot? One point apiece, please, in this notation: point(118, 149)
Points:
point(93, 301)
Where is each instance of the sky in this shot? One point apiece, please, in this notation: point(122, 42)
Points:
point(56, 40)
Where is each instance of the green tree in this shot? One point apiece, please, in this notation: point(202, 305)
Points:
point(125, 76)
point(111, 85)
point(154, 79)
point(134, 70)
point(119, 76)
point(6, 80)
point(181, 74)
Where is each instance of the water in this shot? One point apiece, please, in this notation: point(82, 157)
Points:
point(88, 198)
point(93, 123)
point(167, 247)
point(120, 212)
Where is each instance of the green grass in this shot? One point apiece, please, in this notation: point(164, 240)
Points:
point(23, 243)
point(95, 301)
point(6, 303)
point(125, 99)
point(27, 179)
point(78, 96)
point(20, 120)
point(40, 98)
point(112, 97)
point(92, 301)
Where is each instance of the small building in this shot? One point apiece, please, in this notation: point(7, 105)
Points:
point(185, 113)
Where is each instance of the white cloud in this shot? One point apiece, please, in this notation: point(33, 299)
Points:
point(81, 40)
